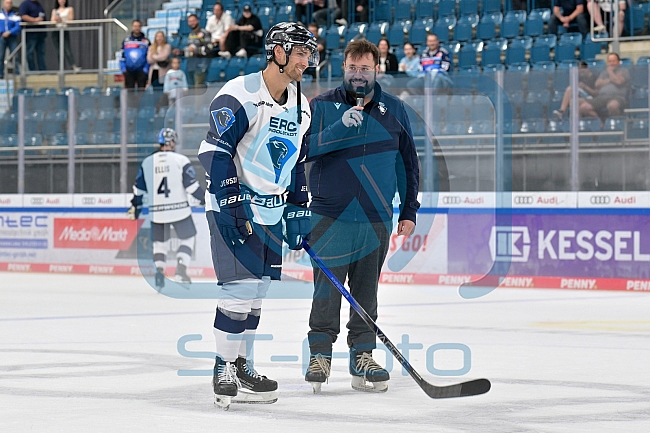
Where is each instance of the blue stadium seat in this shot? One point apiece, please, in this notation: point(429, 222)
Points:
point(533, 126)
point(91, 90)
point(336, 61)
point(255, 64)
point(540, 53)
point(264, 14)
point(543, 13)
point(635, 20)
point(639, 98)
point(419, 31)
point(615, 124)
point(46, 91)
point(467, 57)
point(424, 9)
point(376, 31)
point(441, 29)
point(333, 37)
point(572, 38)
point(446, 8)
point(534, 26)
point(382, 11)
point(216, 68)
point(541, 98)
point(463, 30)
point(538, 77)
point(489, 6)
point(589, 124)
point(283, 13)
point(515, 54)
point(589, 50)
point(564, 52)
point(550, 40)
point(519, 15)
point(402, 10)
point(468, 7)
point(510, 28)
point(491, 55)
point(396, 32)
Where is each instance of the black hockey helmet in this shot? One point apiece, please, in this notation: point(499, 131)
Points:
point(166, 136)
point(288, 35)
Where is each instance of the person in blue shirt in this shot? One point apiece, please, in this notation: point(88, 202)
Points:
point(31, 11)
point(361, 147)
point(410, 63)
point(9, 28)
point(134, 63)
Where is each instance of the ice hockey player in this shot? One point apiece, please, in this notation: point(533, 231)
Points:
point(253, 157)
point(168, 178)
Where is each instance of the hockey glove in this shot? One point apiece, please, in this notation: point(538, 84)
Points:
point(298, 225)
point(136, 207)
point(234, 218)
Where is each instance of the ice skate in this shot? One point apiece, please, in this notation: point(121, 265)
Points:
point(224, 383)
point(254, 388)
point(318, 371)
point(160, 278)
point(181, 274)
point(367, 375)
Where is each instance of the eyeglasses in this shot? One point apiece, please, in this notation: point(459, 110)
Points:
point(360, 69)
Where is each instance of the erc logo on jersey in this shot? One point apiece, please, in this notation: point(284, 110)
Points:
point(280, 150)
point(223, 119)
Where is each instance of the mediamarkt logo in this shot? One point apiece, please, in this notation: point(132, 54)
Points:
point(105, 234)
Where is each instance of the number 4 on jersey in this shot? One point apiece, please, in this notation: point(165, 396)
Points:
point(162, 188)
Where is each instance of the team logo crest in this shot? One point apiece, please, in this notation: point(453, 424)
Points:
point(337, 105)
point(382, 108)
point(280, 151)
point(223, 119)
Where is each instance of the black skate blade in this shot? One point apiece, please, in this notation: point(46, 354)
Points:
point(465, 389)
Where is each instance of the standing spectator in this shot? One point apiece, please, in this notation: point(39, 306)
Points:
point(196, 50)
point(175, 79)
point(219, 25)
point(612, 85)
point(31, 11)
point(410, 63)
point(362, 156)
point(594, 9)
point(249, 31)
point(61, 14)
point(10, 28)
point(158, 58)
point(134, 58)
point(387, 60)
point(566, 12)
point(322, 48)
point(301, 9)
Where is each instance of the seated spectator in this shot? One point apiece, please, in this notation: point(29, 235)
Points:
point(322, 49)
point(219, 26)
point(595, 11)
point(197, 50)
point(410, 63)
point(175, 79)
point(387, 60)
point(10, 29)
point(335, 9)
point(248, 32)
point(435, 60)
point(587, 90)
point(301, 9)
point(566, 12)
point(158, 58)
point(61, 14)
point(612, 85)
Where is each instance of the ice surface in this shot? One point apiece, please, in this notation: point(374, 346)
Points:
point(100, 354)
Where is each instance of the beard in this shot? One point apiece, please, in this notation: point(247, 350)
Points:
point(351, 84)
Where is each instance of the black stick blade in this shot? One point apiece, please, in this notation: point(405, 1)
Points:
point(465, 389)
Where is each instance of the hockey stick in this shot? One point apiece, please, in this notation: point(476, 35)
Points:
point(473, 387)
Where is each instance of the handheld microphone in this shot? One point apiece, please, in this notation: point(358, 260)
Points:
point(360, 95)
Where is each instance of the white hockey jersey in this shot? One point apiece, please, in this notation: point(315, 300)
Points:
point(166, 179)
point(262, 137)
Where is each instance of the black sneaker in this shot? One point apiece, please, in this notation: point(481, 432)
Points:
point(181, 273)
point(224, 378)
point(160, 278)
point(319, 368)
point(251, 380)
point(363, 365)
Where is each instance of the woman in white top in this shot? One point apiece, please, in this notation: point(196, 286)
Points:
point(158, 58)
point(62, 13)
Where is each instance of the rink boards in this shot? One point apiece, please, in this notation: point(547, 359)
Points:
point(564, 240)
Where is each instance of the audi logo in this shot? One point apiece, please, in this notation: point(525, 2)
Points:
point(88, 200)
point(452, 199)
point(524, 199)
point(37, 200)
point(599, 199)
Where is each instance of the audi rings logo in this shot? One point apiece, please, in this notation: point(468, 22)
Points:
point(524, 199)
point(88, 200)
point(599, 199)
point(451, 199)
point(37, 200)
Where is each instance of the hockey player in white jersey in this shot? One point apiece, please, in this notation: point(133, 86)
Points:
point(168, 178)
point(254, 159)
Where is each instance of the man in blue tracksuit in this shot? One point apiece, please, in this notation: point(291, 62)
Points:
point(134, 64)
point(361, 146)
point(9, 31)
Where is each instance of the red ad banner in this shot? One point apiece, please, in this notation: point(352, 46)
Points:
point(94, 233)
